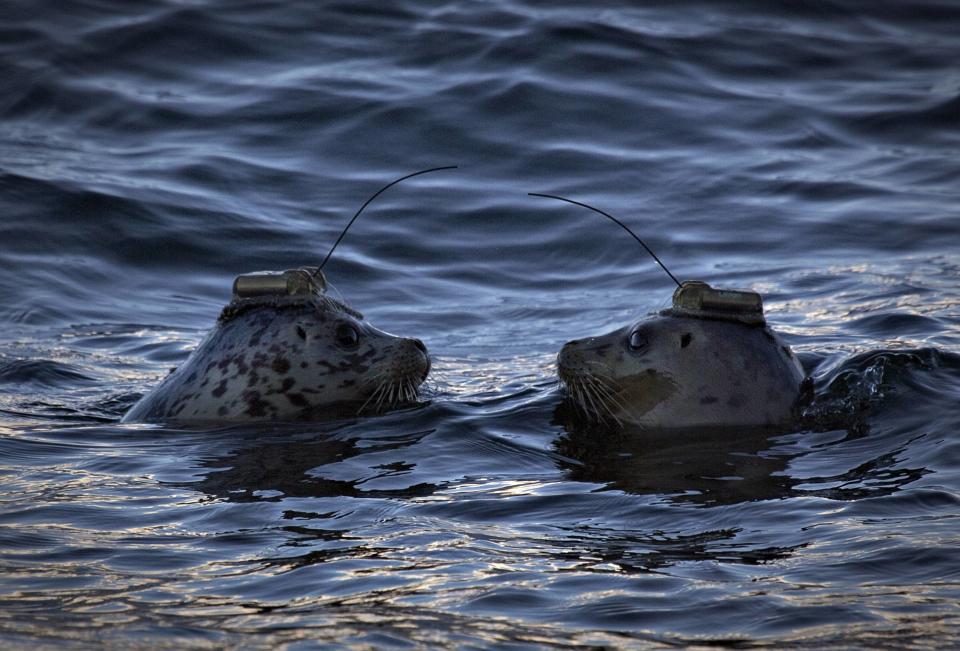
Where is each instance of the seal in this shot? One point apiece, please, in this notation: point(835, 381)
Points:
point(283, 350)
point(709, 361)
point(292, 354)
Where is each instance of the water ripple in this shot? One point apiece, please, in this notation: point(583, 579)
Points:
point(149, 152)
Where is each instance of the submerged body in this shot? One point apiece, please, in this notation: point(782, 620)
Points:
point(288, 359)
point(671, 371)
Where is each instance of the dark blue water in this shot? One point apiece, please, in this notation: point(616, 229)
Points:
point(151, 151)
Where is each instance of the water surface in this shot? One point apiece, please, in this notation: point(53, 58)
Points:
point(151, 151)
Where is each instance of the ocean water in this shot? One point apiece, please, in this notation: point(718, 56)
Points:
point(151, 151)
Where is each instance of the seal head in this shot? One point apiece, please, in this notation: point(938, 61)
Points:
point(710, 361)
point(283, 350)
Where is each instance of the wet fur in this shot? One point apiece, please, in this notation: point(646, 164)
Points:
point(691, 373)
point(284, 362)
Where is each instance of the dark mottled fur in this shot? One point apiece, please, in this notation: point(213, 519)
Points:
point(284, 360)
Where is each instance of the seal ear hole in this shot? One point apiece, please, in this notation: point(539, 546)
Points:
point(685, 340)
point(301, 333)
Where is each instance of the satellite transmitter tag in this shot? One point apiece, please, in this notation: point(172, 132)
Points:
point(693, 298)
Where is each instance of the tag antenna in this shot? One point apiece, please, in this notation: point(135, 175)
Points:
point(377, 194)
point(614, 220)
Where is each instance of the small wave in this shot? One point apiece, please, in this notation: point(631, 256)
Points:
point(911, 123)
point(41, 372)
point(847, 393)
point(896, 324)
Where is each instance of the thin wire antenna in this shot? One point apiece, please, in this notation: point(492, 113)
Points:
point(614, 220)
point(377, 194)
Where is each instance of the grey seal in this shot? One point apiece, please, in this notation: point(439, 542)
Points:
point(709, 361)
point(293, 355)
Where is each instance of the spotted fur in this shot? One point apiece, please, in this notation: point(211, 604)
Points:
point(288, 361)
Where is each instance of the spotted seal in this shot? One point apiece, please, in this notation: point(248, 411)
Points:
point(298, 354)
point(709, 361)
point(282, 349)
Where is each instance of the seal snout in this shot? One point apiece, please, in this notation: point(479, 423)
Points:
point(412, 361)
point(570, 360)
point(423, 357)
point(591, 392)
point(572, 364)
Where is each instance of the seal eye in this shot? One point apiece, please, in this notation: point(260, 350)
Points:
point(347, 336)
point(637, 340)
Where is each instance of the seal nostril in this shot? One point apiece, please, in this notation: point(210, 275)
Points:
point(419, 345)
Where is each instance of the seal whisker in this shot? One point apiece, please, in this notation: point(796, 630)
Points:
point(606, 367)
point(606, 388)
point(614, 397)
point(372, 396)
point(382, 395)
point(582, 398)
point(607, 392)
point(364, 405)
point(606, 383)
point(588, 392)
point(578, 398)
point(599, 408)
point(573, 394)
point(577, 392)
point(606, 398)
point(595, 393)
point(388, 395)
point(601, 396)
